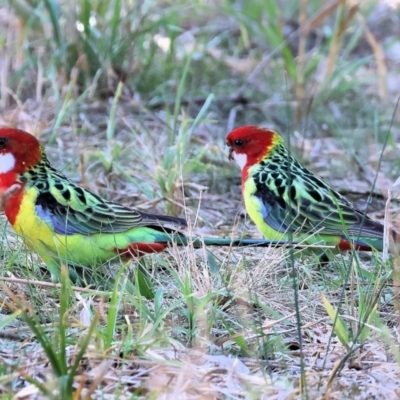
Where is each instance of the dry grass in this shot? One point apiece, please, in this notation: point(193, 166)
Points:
point(223, 323)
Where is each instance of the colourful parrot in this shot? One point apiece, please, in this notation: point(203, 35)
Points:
point(62, 221)
point(281, 195)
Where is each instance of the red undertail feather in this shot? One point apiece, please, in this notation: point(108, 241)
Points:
point(135, 250)
point(345, 245)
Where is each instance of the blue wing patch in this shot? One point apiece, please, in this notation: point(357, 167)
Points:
point(58, 225)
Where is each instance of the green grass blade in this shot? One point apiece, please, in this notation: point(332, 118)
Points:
point(339, 326)
point(113, 112)
point(82, 349)
point(115, 23)
point(115, 301)
point(54, 12)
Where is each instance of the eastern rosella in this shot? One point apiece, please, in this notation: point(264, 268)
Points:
point(62, 221)
point(281, 195)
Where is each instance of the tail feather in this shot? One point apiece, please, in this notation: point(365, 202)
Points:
point(163, 222)
point(209, 241)
point(198, 242)
point(369, 243)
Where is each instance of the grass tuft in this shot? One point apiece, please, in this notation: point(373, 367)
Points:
point(133, 100)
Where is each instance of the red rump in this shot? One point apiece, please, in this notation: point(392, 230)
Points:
point(140, 249)
point(345, 245)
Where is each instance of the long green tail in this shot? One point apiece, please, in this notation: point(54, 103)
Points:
point(198, 242)
point(209, 241)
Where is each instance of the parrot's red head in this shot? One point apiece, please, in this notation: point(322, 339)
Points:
point(19, 151)
point(248, 145)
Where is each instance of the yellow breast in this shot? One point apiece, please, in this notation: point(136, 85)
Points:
point(255, 207)
point(52, 247)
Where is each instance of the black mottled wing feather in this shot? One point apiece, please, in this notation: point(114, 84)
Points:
point(306, 202)
point(70, 209)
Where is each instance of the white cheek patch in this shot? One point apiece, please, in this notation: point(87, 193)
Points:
point(7, 163)
point(241, 159)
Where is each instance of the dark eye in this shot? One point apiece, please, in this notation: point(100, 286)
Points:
point(239, 143)
point(3, 141)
